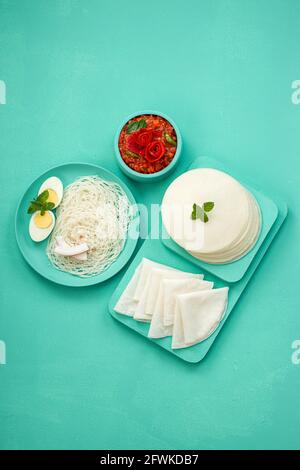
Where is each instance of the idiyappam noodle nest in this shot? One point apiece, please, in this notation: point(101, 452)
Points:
point(94, 211)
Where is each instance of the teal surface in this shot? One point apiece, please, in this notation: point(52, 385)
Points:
point(231, 272)
point(223, 69)
point(35, 253)
point(156, 251)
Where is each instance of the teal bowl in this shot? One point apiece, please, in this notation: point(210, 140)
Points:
point(142, 177)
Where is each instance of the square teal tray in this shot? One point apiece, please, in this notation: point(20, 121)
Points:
point(234, 271)
point(155, 250)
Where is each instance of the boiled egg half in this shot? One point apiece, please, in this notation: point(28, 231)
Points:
point(55, 188)
point(40, 226)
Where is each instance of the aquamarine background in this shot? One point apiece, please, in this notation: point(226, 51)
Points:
point(223, 69)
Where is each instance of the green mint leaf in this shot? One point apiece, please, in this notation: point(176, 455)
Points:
point(33, 207)
point(40, 204)
point(142, 123)
point(36, 202)
point(133, 126)
point(193, 214)
point(43, 196)
point(208, 206)
point(49, 206)
point(201, 214)
point(197, 212)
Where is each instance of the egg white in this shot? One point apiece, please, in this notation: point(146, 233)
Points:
point(39, 234)
point(56, 185)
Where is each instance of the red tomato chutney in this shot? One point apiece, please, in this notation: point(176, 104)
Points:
point(147, 143)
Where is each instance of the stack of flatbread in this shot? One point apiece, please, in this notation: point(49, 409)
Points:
point(233, 226)
point(175, 303)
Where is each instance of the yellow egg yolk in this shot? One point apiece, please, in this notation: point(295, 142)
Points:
point(52, 196)
point(43, 221)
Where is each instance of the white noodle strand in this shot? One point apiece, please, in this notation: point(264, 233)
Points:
point(94, 211)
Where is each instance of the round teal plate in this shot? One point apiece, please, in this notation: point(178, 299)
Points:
point(35, 253)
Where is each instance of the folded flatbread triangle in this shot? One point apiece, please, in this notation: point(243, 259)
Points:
point(197, 315)
point(126, 305)
point(158, 327)
point(174, 287)
point(146, 267)
point(129, 299)
point(149, 296)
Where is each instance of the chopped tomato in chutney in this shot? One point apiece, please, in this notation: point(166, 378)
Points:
point(147, 143)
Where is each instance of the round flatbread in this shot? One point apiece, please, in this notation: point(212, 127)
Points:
point(234, 223)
